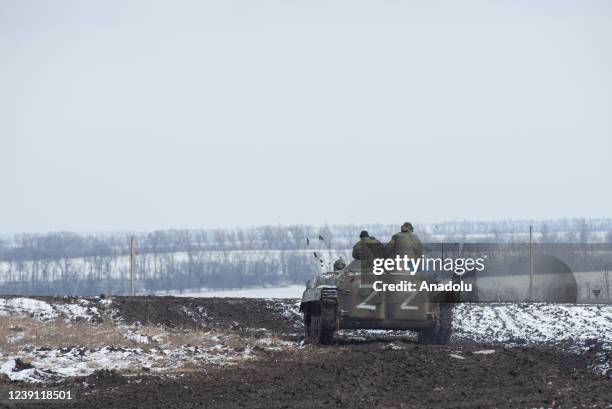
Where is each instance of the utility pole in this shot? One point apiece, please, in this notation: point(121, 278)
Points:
point(329, 247)
point(607, 282)
point(530, 263)
point(132, 263)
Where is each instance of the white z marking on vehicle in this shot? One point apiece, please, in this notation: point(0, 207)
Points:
point(364, 305)
point(405, 305)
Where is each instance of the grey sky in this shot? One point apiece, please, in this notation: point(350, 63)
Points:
point(144, 115)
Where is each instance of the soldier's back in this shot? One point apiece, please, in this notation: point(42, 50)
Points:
point(367, 248)
point(407, 244)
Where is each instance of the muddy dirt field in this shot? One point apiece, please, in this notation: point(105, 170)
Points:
point(368, 375)
point(221, 313)
point(379, 370)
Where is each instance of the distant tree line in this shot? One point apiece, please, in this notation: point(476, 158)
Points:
point(69, 263)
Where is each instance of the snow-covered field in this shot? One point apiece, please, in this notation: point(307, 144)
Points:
point(42, 310)
point(132, 348)
point(577, 328)
point(534, 323)
point(158, 349)
point(68, 362)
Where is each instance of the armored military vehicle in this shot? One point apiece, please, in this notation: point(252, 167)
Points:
point(348, 299)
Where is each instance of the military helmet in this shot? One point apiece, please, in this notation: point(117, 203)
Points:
point(339, 264)
point(407, 226)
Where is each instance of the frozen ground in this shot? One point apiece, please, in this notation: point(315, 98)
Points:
point(221, 332)
point(534, 323)
point(585, 328)
point(133, 347)
point(81, 309)
point(44, 365)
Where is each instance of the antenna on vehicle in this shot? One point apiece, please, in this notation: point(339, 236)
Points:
point(319, 259)
point(329, 264)
point(318, 254)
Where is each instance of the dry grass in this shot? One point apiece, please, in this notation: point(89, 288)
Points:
point(21, 333)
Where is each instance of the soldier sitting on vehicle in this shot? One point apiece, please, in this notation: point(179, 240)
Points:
point(339, 264)
point(404, 243)
point(367, 248)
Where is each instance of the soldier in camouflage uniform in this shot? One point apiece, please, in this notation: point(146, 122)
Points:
point(447, 299)
point(367, 248)
point(405, 243)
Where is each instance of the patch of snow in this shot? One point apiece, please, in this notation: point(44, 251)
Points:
point(27, 306)
point(576, 328)
point(44, 311)
point(533, 323)
point(74, 312)
point(12, 338)
point(62, 363)
point(134, 336)
point(106, 302)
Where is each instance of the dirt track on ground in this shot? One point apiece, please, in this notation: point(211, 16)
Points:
point(372, 373)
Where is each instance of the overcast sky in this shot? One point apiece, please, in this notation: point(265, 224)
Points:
point(143, 115)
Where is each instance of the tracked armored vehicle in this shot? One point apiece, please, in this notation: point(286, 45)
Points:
point(348, 299)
